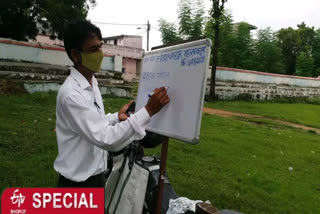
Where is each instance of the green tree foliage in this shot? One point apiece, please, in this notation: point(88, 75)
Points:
point(267, 54)
point(297, 46)
point(198, 20)
point(185, 18)
point(305, 64)
point(225, 53)
point(243, 46)
point(235, 42)
point(190, 22)
point(288, 51)
point(20, 19)
point(316, 53)
point(288, 43)
point(168, 31)
point(305, 60)
point(305, 38)
point(216, 14)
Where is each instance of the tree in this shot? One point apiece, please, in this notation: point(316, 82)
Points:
point(305, 38)
point(267, 53)
point(226, 46)
point(288, 44)
point(185, 18)
point(305, 65)
point(298, 43)
point(215, 12)
point(190, 22)
point(198, 20)
point(316, 53)
point(21, 18)
point(243, 46)
point(168, 32)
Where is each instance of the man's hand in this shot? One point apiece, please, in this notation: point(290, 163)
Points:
point(122, 113)
point(157, 101)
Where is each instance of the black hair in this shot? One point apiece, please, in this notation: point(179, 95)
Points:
point(76, 32)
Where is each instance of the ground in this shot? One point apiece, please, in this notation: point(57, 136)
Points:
point(223, 113)
point(248, 164)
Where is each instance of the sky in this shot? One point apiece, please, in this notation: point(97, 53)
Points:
point(276, 14)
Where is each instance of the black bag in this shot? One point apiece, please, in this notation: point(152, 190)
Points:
point(153, 164)
point(151, 140)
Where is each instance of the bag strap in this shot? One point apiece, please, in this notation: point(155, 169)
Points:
point(117, 183)
point(122, 188)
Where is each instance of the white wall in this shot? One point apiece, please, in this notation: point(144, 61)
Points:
point(49, 54)
point(117, 50)
point(232, 83)
point(232, 74)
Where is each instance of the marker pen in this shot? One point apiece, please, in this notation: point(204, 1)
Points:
point(150, 94)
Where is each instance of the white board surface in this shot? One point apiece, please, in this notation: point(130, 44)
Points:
point(182, 68)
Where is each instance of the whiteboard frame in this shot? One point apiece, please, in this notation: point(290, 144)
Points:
point(207, 42)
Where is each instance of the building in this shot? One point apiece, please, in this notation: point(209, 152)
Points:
point(125, 49)
point(250, 26)
point(130, 49)
point(124, 40)
point(42, 38)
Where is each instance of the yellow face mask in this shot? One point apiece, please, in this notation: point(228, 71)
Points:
point(92, 61)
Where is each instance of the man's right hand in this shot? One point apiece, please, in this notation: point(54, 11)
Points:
point(157, 101)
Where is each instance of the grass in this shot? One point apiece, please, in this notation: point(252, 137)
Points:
point(244, 167)
point(237, 164)
point(304, 114)
point(28, 141)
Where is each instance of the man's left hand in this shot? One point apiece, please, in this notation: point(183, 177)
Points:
point(122, 113)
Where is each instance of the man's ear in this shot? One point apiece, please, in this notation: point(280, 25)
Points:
point(76, 57)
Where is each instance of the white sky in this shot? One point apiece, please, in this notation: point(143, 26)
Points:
point(261, 13)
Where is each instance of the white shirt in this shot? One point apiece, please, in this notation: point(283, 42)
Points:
point(84, 131)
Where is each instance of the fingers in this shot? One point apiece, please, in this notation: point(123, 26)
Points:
point(130, 103)
point(158, 100)
point(126, 106)
point(163, 96)
point(159, 90)
point(165, 100)
point(123, 117)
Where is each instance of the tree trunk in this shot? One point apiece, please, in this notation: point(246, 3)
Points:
point(214, 61)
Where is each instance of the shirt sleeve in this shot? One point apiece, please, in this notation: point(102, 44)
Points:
point(97, 129)
point(112, 118)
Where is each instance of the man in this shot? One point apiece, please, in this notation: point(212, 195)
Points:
point(83, 130)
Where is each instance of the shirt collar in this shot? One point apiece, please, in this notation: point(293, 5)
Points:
point(82, 81)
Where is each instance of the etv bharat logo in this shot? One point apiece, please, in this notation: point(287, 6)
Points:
point(15, 198)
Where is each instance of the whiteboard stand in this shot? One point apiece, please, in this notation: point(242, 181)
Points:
point(163, 161)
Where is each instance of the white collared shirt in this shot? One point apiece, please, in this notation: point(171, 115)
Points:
point(84, 131)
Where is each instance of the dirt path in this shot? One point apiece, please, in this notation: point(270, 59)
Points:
point(223, 113)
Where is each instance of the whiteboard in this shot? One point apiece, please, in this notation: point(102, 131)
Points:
point(182, 68)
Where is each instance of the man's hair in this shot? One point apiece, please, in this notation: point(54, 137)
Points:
point(76, 32)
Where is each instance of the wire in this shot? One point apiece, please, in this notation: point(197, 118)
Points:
point(110, 23)
point(155, 28)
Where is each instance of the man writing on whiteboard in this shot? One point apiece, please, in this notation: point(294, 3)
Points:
point(84, 132)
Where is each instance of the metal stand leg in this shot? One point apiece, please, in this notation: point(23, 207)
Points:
point(163, 160)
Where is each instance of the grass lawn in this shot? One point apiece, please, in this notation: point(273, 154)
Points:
point(305, 114)
point(237, 164)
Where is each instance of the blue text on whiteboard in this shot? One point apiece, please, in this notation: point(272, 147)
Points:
point(187, 57)
point(155, 75)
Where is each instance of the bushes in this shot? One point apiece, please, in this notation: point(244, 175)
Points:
point(9, 87)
